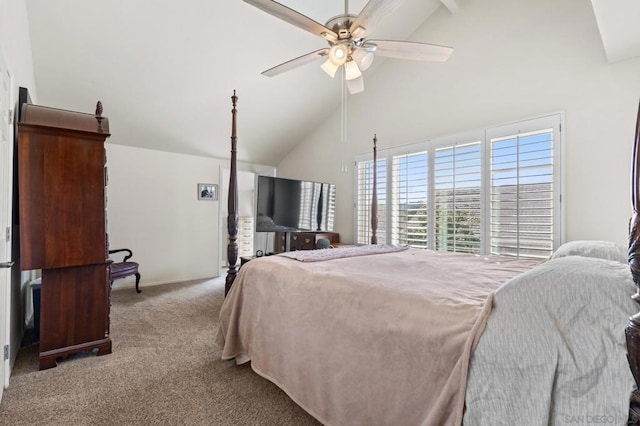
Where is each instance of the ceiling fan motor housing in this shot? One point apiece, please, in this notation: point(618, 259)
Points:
point(340, 25)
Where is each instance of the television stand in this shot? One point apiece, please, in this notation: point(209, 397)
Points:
point(302, 240)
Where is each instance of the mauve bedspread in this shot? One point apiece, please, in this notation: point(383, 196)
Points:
point(375, 340)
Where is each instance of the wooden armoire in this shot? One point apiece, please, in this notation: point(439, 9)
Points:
point(62, 179)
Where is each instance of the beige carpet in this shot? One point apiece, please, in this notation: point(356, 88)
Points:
point(164, 369)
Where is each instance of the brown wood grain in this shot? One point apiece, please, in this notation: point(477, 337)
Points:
point(61, 159)
point(61, 182)
point(632, 331)
point(232, 203)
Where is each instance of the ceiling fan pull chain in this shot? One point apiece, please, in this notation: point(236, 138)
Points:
point(343, 123)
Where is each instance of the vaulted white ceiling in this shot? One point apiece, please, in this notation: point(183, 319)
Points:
point(619, 25)
point(165, 70)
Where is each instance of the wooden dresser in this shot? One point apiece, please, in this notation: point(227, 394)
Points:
point(305, 240)
point(62, 180)
point(245, 236)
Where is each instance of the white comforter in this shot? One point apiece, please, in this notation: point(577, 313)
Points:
point(553, 352)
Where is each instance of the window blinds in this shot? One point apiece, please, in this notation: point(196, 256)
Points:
point(522, 194)
point(457, 180)
point(363, 200)
point(409, 209)
point(494, 191)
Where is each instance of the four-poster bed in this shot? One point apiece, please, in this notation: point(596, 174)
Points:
point(633, 329)
point(488, 340)
point(232, 202)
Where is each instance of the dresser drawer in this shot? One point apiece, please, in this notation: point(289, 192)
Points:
point(302, 241)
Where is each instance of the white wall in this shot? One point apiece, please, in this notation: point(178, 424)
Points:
point(153, 209)
point(513, 60)
point(15, 47)
point(15, 43)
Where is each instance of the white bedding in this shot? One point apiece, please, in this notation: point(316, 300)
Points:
point(553, 351)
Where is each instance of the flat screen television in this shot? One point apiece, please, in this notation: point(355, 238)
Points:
point(287, 205)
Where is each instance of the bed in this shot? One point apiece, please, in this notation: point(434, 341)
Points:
point(378, 335)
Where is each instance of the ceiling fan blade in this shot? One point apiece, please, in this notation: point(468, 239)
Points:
point(295, 63)
point(294, 18)
point(411, 50)
point(371, 14)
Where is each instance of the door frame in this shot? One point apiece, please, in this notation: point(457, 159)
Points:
point(6, 177)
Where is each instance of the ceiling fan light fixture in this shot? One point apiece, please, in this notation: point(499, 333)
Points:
point(329, 67)
point(338, 54)
point(356, 85)
point(363, 58)
point(351, 70)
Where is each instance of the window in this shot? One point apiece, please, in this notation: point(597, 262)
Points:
point(522, 194)
point(457, 184)
point(363, 200)
point(493, 191)
point(409, 199)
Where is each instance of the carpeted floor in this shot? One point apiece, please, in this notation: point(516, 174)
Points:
point(164, 369)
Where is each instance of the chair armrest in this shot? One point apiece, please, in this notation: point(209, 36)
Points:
point(127, 257)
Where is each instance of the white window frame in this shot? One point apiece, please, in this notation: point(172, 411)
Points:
point(553, 121)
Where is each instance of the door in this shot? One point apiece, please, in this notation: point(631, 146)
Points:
point(5, 221)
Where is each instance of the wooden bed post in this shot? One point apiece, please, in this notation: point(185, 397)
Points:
point(232, 205)
point(374, 195)
point(632, 331)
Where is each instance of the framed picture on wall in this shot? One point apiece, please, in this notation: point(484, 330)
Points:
point(207, 191)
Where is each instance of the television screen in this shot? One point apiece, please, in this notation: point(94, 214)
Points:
point(294, 205)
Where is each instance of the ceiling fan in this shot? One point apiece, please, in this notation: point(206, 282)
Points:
point(348, 46)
